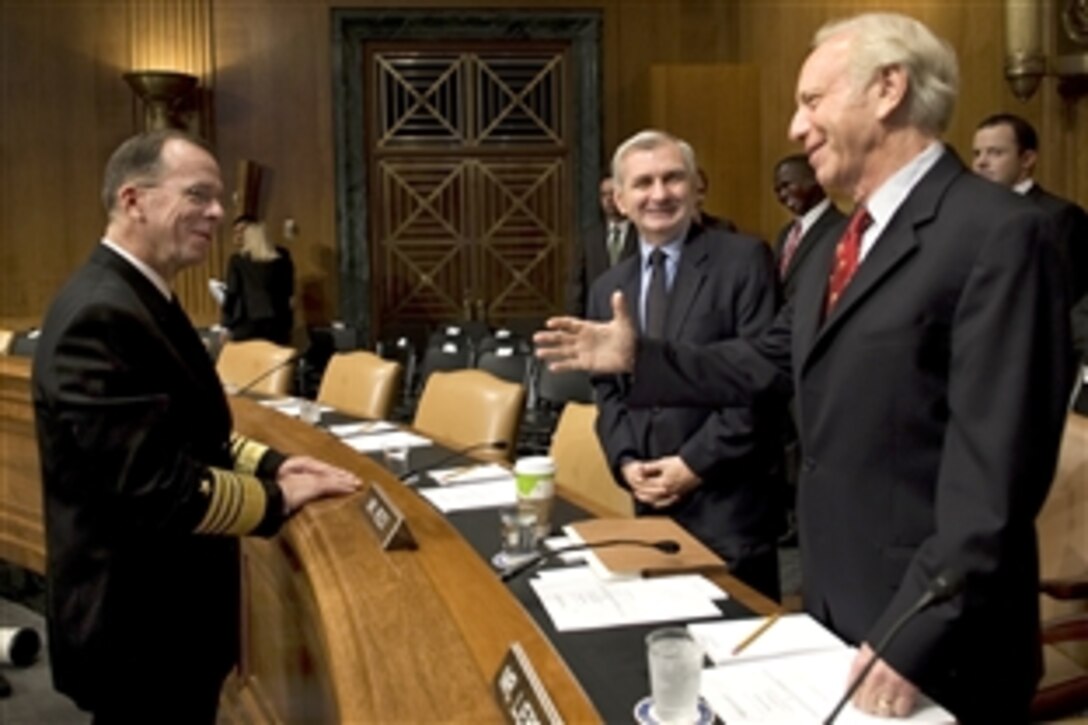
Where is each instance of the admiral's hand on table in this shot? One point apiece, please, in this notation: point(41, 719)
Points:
point(303, 479)
point(885, 692)
point(661, 482)
point(570, 343)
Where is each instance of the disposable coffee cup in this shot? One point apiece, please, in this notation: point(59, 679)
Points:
point(535, 481)
point(19, 646)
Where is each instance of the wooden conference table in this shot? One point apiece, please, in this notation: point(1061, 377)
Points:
point(335, 629)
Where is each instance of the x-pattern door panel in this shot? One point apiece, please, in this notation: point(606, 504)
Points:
point(468, 181)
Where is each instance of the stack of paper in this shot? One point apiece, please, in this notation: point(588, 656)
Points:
point(290, 406)
point(473, 474)
point(577, 599)
point(375, 442)
point(796, 671)
point(346, 430)
point(489, 494)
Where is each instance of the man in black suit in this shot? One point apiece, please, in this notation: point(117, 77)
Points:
point(816, 221)
point(931, 370)
point(712, 471)
point(612, 242)
point(146, 489)
point(1006, 150)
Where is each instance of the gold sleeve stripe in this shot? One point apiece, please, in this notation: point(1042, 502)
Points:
point(237, 504)
point(246, 453)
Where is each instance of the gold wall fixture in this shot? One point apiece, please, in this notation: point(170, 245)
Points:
point(167, 97)
point(1025, 63)
point(1025, 59)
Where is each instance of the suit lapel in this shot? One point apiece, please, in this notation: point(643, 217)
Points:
point(689, 280)
point(896, 243)
point(811, 240)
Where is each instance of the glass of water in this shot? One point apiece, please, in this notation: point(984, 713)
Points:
point(676, 665)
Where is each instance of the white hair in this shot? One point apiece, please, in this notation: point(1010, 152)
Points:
point(647, 141)
point(880, 40)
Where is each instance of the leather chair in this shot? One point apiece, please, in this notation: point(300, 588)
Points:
point(581, 469)
point(5, 341)
point(1062, 526)
point(464, 407)
point(242, 363)
point(361, 384)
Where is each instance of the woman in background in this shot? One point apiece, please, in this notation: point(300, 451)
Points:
point(260, 284)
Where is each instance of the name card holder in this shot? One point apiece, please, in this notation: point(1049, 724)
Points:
point(519, 692)
point(386, 520)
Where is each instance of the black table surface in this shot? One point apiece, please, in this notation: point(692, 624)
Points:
point(609, 663)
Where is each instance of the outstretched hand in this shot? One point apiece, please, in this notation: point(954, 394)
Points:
point(303, 479)
point(570, 343)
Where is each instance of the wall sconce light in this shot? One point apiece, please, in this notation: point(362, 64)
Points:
point(166, 96)
point(1025, 61)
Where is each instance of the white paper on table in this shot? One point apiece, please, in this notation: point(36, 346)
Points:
point(491, 494)
point(578, 600)
point(344, 430)
point(791, 634)
point(291, 406)
point(793, 689)
point(472, 474)
point(368, 443)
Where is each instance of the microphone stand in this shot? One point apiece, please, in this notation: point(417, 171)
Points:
point(666, 546)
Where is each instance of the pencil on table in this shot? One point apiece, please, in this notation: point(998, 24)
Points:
point(744, 643)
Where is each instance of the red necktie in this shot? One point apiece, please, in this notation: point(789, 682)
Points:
point(789, 248)
point(847, 256)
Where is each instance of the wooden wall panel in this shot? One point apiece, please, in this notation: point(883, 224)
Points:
point(272, 81)
point(720, 132)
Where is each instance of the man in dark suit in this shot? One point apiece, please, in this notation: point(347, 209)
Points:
point(816, 221)
point(612, 242)
point(931, 385)
point(145, 487)
point(1006, 150)
point(712, 471)
point(702, 217)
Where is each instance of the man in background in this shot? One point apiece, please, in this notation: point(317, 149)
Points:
point(703, 217)
point(816, 221)
point(613, 242)
point(715, 472)
point(1006, 150)
point(929, 356)
point(146, 488)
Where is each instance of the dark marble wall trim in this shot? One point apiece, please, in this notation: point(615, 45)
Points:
point(353, 27)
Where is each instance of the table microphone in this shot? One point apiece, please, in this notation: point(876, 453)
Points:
point(944, 586)
point(413, 472)
point(281, 364)
point(665, 546)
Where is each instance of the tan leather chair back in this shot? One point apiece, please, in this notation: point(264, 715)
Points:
point(1062, 524)
point(5, 341)
point(240, 363)
point(464, 407)
point(360, 383)
point(581, 467)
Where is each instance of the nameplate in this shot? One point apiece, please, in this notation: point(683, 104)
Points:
point(520, 694)
point(386, 520)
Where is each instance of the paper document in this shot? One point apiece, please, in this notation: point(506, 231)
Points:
point(290, 406)
point(473, 474)
point(576, 599)
point(794, 689)
point(490, 494)
point(344, 430)
point(374, 443)
point(792, 634)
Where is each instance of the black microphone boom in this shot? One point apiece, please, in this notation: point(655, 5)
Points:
point(665, 546)
point(944, 586)
point(281, 364)
point(413, 472)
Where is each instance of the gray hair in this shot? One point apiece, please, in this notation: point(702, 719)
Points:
point(139, 157)
point(880, 40)
point(649, 140)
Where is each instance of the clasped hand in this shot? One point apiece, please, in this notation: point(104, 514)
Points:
point(660, 483)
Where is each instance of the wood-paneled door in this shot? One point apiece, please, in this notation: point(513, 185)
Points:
point(468, 167)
